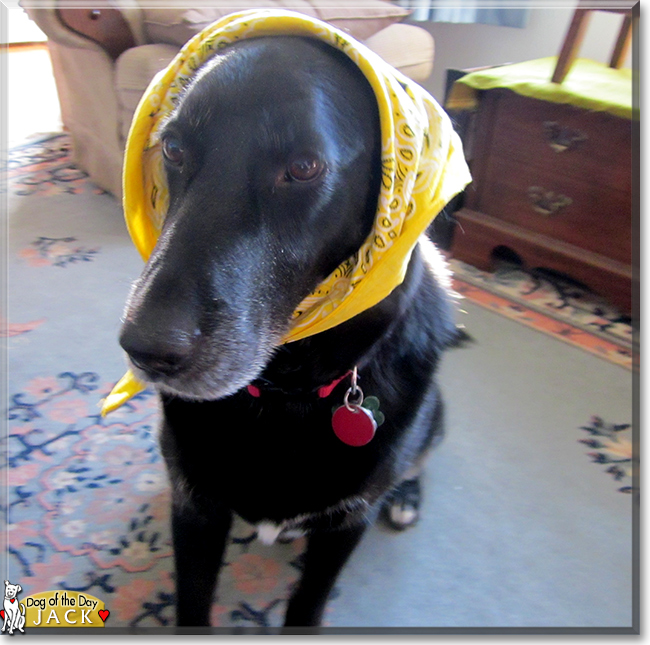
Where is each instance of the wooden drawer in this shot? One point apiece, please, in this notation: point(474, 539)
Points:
point(564, 139)
point(594, 217)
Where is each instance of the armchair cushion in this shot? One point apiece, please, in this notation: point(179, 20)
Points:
point(134, 70)
point(360, 19)
point(409, 50)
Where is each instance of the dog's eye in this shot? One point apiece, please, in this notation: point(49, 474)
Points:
point(305, 169)
point(172, 150)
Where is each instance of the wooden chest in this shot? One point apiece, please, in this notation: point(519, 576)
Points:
point(552, 183)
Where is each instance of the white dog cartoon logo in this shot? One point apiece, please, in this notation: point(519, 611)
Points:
point(14, 611)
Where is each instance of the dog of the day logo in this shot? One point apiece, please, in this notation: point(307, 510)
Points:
point(51, 609)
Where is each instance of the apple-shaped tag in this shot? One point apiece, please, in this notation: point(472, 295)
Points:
point(354, 425)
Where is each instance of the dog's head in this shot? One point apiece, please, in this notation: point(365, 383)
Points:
point(272, 159)
point(12, 591)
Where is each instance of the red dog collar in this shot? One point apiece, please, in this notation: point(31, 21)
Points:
point(323, 392)
point(353, 424)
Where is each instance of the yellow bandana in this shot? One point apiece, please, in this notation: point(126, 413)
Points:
point(423, 167)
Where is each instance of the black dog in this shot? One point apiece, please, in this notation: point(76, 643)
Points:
point(273, 166)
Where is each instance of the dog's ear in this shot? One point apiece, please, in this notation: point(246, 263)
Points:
point(7, 582)
point(18, 589)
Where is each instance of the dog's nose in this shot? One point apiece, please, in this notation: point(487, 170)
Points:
point(158, 357)
point(165, 365)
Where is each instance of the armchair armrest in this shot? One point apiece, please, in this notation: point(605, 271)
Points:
point(106, 27)
point(48, 20)
point(112, 29)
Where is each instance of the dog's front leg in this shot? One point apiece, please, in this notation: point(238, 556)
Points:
point(199, 543)
point(323, 560)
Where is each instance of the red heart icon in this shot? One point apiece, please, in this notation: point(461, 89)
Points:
point(2, 613)
point(103, 614)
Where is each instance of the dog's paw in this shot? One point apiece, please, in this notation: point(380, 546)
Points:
point(461, 338)
point(402, 508)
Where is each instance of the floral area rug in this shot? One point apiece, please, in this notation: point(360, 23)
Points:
point(611, 445)
point(87, 499)
point(89, 504)
point(86, 503)
point(553, 305)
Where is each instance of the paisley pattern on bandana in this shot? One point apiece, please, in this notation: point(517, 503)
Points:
point(423, 165)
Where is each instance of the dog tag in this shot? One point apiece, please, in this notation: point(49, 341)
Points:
point(354, 425)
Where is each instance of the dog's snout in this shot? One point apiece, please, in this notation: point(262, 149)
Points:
point(158, 357)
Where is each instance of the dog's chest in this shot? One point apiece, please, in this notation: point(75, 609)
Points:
point(268, 532)
point(266, 467)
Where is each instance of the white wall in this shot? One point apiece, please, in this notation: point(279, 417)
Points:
point(461, 46)
point(20, 29)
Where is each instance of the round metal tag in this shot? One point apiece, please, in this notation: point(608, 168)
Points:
point(354, 425)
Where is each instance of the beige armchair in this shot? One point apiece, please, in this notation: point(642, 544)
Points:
point(104, 59)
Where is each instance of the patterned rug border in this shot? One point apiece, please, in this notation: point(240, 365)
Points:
point(485, 280)
point(545, 323)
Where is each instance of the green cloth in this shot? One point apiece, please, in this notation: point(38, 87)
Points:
point(589, 85)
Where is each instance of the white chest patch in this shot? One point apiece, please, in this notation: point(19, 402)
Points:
point(267, 532)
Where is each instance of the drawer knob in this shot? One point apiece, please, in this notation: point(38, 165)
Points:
point(546, 202)
point(561, 138)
